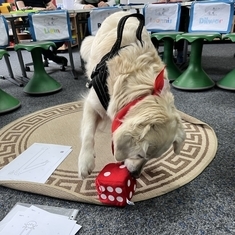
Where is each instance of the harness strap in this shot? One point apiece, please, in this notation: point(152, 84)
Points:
point(100, 74)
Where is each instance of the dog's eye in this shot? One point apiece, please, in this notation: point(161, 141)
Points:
point(139, 156)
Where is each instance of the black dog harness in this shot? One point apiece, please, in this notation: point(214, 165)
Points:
point(100, 73)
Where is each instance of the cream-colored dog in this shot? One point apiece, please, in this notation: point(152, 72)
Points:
point(151, 124)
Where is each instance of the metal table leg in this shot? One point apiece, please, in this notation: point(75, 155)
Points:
point(71, 61)
point(11, 77)
point(16, 41)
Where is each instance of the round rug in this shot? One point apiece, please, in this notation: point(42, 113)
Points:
point(60, 125)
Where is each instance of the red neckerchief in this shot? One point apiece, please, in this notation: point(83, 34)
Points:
point(158, 85)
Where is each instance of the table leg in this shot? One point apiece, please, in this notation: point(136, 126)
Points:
point(72, 61)
point(81, 21)
point(11, 77)
point(16, 41)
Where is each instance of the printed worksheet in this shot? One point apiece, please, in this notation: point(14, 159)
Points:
point(9, 216)
point(35, 221)
point(36, 163)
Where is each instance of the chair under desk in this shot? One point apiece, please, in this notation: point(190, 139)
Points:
point(83, 14)
point(7, 101)
point(46, 28)
point(12, 17)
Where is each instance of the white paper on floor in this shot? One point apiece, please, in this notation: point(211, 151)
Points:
point(36, 163)
point(35, 221)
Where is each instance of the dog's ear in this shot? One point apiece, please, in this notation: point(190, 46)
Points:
point(122, 147)
point(179, 140)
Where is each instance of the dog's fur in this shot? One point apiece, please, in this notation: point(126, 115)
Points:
point(153, 124)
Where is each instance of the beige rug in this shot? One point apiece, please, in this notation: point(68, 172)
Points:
point(60, 125)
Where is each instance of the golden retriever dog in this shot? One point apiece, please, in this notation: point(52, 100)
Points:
point(151, 124)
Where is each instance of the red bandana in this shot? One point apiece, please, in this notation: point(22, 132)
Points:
point(158, 85)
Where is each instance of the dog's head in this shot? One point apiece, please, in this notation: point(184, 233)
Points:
point(148, 130)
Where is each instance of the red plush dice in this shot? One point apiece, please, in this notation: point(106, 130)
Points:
point(115, 185)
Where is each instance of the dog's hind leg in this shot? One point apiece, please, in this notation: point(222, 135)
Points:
point(86, 160)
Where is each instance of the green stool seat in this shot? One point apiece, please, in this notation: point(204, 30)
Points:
point(41, 82)
point(194, 77)
point(228, 81)
point(168, 38)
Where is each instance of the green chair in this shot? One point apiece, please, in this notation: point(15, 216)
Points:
point(168, 39)
point(53, 26)
point(7, 102)
point(194, 77)
point(228, 81)
point(208, 20)
point(165, 30)
point(46, 28)
point(41, 82)
point(98, 15)
point(4, 43)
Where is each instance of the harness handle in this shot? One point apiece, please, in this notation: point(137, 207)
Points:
point(116, 46)
point(120, 28)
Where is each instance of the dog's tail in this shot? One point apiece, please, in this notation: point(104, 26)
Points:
point(86, 47)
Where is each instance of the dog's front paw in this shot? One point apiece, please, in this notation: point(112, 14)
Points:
point(86, 165)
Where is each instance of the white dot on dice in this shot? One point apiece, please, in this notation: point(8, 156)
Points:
point(110, 189)
point(118, 190)
point(130, 195)
point(119, 199)
point(107, 173)
point(103, 196)
point(111, 198)
point(102, 188)
point(122, 166)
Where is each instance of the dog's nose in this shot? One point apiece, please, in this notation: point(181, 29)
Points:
point(135, 174)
